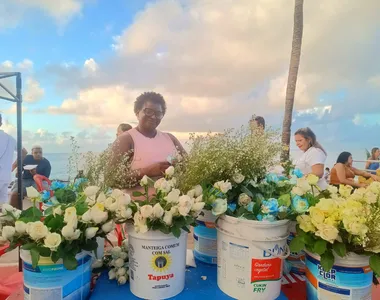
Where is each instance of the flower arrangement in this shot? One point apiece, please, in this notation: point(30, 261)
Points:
point(69, 228)
point(343, 221)
point(61, 192)
point(167, 210)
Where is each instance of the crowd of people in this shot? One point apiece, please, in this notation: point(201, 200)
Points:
point(148, 150)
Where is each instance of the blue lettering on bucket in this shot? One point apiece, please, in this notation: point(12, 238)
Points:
point(277, 250)
point(334, 289)
point(330, 276)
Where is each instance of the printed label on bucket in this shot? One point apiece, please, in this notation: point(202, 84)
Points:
point(265, 269)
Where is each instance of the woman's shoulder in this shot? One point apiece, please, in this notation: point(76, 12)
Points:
point(316, 151)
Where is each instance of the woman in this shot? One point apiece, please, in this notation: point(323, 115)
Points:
point(148, 149)
point(312, 160)
point(344, 173)
point(370, 165)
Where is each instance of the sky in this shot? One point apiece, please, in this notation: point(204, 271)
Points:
point(216, 62)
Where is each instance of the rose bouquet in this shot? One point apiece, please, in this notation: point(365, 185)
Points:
point(69, 229)
point(167, 210)
point(344, 221)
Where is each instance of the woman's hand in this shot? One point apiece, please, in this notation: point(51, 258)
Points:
point(362, 185)
point(156, 169)
point(375, 177)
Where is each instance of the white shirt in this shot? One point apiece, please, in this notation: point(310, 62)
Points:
point(7, 149)
point(312, 156)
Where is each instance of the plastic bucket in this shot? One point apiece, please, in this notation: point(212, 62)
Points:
point(350, 278)
point(205, 245)
point(295, 260)
point(53, 281)
point(157, 264)
point(250, 257)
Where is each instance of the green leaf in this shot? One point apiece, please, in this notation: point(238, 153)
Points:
point(327, 260)
point(320, 247)
point(44, 251)
point(31, 212)
point(55, 223)
point(28, 246)
point(70, 262)
point(340, 249)
point(176, 231)
point(35, 257)
point(297, 244)
point(284, 200)
point(81, 208)
point(186, 229)
point(49, 211)
point(90, 245)
point(246, 191)
point(137, 194)
point(55, 256)
point(164, 228)
point(374, 263)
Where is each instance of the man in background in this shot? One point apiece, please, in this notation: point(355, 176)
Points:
point(41, 166)
point(8, 146)
point(123, 127)
point(327, 175)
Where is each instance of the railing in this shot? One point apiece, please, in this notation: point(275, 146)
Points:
point(364, 162)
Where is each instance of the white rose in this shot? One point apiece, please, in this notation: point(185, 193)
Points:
point(121, 272)
point(124, 213)
point(108, 227)
point(244, 199)
point(8, 232)
point(198, 206)
point(146, 211)
point(101, 198)
point(32, 193)
point(144, 181)
point(98, 215)
point(91, 232)
point(37, 230)
point(124, 200)
point(90, 201)
point(298, 191)
point(327, 232)
point(223, 186)
point(162, 185)
point(184, 205)
point(172, 182)
point(20, 227)
point(111, 204)
point(91, 191)
point(112, 274)
point(119, 263)
point(332, 189)
point(219, 207)
point(71, 217)
point(169, 171)
point(115, 252)
point(238, 178)
point(174, 210)
point(57, 211)
point(7, 207)
point(191, 193)
point(123, 255)
point(122, 280)
point(52, 241)
point(168, 218)
point(158, 211)
point(173, 196)
point(303, 184)
point(69, 233)
point(86, 217)
point(198, 191)
point(199, 199)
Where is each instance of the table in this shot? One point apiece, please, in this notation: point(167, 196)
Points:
point(195, 287)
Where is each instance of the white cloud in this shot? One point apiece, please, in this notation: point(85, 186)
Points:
point(90, 65)
point(33, 91)
point(26, 64)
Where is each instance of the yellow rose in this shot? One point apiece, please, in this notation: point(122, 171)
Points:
point(298, 191)
point(345, 190)
point(305, 224)
point(355, 228)
point(303, 184)
point(370, 197)
point(327, 232)
point(331, 221)
point(317, 216)
point(99, 206)
point(332, 189)
point(328, 206)
point(312, 179)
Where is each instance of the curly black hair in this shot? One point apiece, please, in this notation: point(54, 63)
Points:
point(152, 97)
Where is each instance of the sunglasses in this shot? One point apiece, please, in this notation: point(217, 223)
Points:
point(151, 112)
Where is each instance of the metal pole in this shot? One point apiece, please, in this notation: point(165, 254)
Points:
point(19, 140)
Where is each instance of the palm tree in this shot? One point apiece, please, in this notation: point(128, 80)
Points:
point(292, 77)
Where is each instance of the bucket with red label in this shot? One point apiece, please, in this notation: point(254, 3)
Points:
point(251, 256)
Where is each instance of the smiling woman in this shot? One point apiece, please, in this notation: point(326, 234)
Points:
point(148, 148)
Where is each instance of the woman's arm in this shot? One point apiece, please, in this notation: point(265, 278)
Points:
point(341, 173)
point(177, 144)
point(365, 174)
point(367, 164)
point(318, 170)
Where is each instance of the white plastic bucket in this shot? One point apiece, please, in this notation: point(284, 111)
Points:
point(350, 278)
point(295, 261)
point(157, 264)
point(205, 245)
point(53, 281)
point(250, 257)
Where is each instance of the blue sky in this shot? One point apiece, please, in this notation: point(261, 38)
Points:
point(216, 62)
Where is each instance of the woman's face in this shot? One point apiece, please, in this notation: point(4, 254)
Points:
point(349, 161)
point(150, 116)
point(302, 143)
point(377, 154)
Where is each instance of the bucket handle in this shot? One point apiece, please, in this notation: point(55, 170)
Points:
point(282, 256)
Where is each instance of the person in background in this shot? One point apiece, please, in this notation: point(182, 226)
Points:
point(148, 148)
point(43, 168)
point(123, 127)
point(344, 173)
point(327, 175)
point(312, 160)
point(258, 121)
point(370, 165)
point(8, 146)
